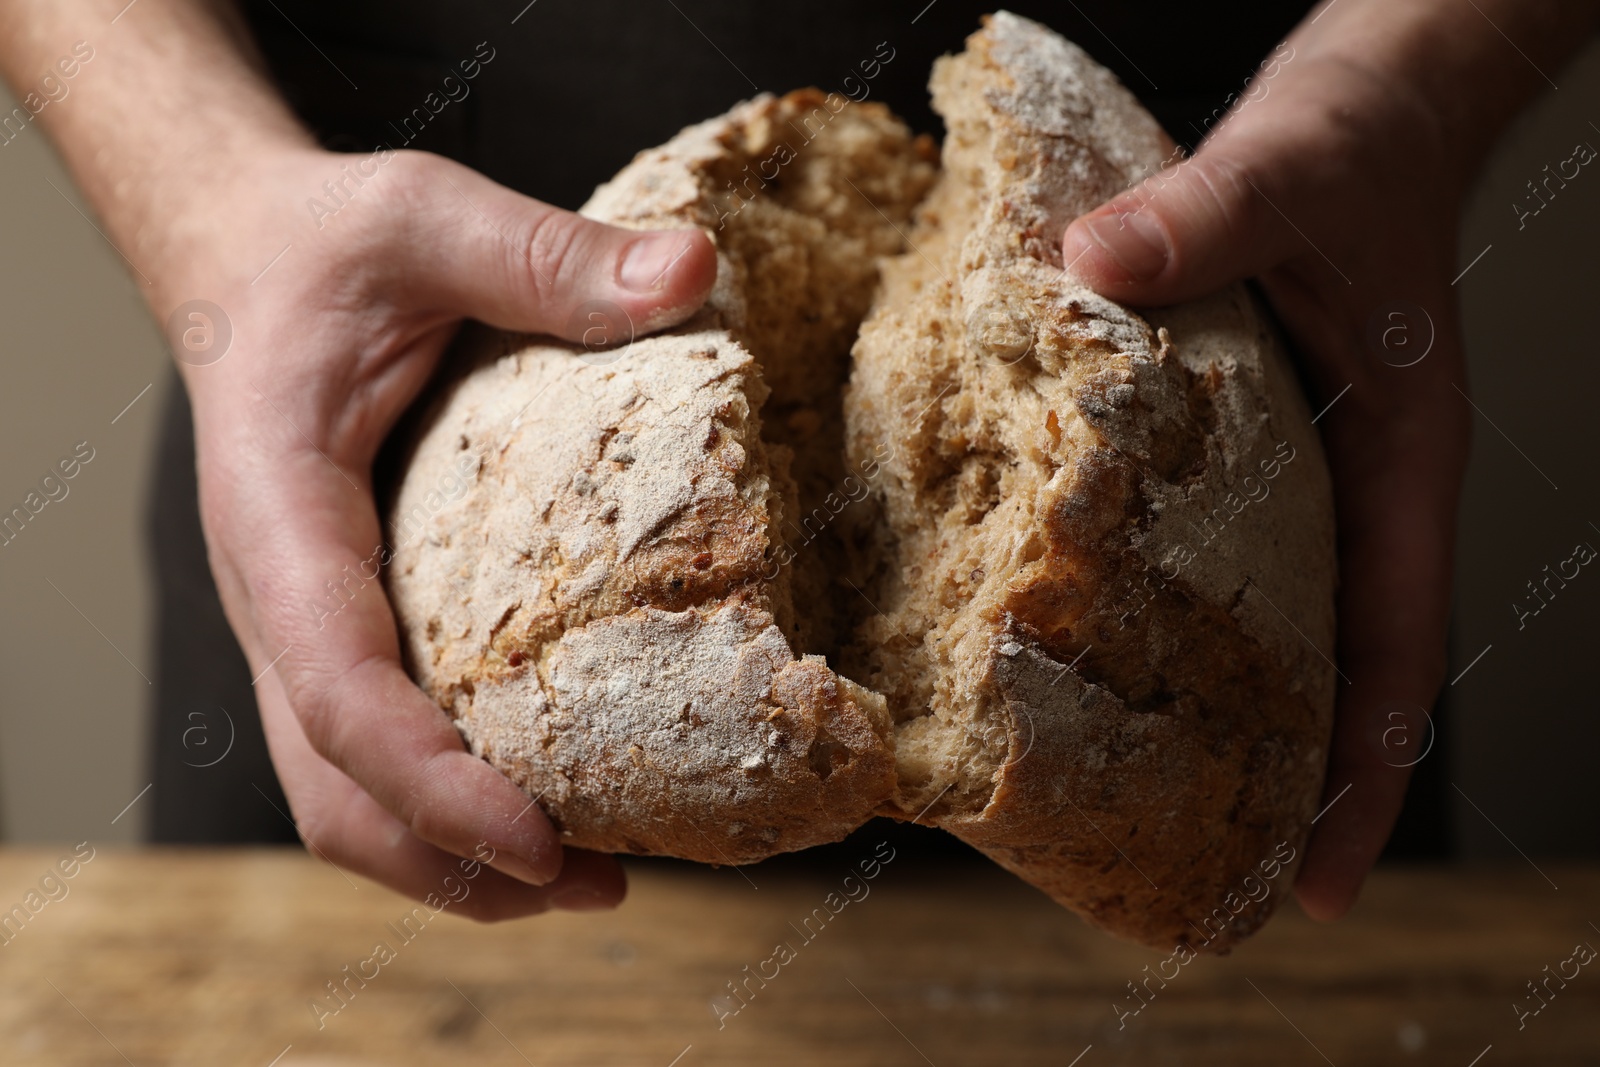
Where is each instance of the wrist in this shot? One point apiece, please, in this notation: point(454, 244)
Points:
point(170, 111)
point(216, 219)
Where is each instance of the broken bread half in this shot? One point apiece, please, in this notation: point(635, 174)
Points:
point(600, 610)
point(1050, 574)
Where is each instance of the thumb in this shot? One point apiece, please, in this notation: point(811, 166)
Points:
point(519, 264)
point(1187, 231)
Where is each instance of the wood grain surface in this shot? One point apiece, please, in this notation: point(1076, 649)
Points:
point(215, 957)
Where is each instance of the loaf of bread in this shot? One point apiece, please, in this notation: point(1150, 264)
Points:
point(905, 522)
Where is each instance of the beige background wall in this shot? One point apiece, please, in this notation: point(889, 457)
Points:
point(77, 348)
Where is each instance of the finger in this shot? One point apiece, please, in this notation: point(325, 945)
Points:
point(342, 824)
point(1396, 445)
point(520, 264)
point(1394, 604)
point(1259, 190)
point(297, 548)
point(1189, 230)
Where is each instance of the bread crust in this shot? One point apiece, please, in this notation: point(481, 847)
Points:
point(1154, 702)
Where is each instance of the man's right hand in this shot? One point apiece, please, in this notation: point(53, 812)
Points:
point(330, 344)
point(203, 179)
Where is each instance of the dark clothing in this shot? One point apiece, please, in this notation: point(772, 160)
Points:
point(576, 87)
point(562, 94)
point(209, 756)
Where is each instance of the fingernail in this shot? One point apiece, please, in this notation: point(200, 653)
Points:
point(647, 261)
point(1133, 240)
point(581, 900)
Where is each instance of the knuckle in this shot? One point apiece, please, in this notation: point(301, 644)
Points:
point(1412, 135)
point(422, 812)
point(316, 694)
point(314, 709)
point(407, 201)
point(327, 834)
point(1229, 188)
point(320, 833)
point(414, 179)
point(547, 248)
point(424, 822)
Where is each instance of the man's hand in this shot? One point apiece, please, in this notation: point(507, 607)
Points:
point(204, 182)
point(329, 346)
point(1338, 181)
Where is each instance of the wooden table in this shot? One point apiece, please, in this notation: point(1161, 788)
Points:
point(213, 958)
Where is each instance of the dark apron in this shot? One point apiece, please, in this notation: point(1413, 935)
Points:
point(572, 90)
